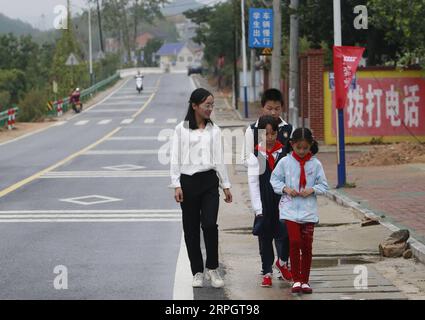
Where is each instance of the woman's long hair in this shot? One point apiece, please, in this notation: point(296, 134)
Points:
point(197, 97)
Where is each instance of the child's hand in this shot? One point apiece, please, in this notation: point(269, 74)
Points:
point(306, 192)
point(291, 192)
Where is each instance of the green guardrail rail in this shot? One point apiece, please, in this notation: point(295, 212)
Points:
point(85, 94)
point(4, 116)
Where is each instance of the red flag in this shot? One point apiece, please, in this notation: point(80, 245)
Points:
point(346, 61)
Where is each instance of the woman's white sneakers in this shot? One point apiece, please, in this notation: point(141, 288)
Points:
point(214, 276)
point(198, 280)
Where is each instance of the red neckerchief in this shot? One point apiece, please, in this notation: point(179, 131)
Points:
point(270, 158)
point(302, 161)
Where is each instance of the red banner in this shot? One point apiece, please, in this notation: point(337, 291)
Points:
point(346, 61)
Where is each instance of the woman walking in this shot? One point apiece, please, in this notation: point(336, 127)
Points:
point(197, 170)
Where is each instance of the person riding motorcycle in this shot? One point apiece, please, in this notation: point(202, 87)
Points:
point(139, 81)
point(74, 100)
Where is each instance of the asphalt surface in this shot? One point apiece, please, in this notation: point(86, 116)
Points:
point(91, 194)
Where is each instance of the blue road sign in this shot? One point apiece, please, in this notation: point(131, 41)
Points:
point(260, 28)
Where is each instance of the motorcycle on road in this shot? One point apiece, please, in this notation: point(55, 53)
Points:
point(139, 83)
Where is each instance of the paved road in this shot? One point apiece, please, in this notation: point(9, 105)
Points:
point(90, 194)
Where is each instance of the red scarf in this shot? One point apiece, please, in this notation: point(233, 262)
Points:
point(302, 161)
point(270, 158)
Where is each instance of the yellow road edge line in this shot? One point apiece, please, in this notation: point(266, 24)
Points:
point(60, 163)
point(144, 106)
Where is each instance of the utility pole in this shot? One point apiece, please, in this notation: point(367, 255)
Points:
point(293, 93)
point(253, 73)
point(277, 46)
point(244, 62)
point(340, 132)
point(90, 49)
point(235, 56)
point(99, 19)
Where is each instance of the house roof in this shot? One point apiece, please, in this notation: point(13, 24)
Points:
point(169, 49)
point(143, 39)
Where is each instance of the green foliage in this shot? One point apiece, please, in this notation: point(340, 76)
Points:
point(13, 81)
point(395, 34)
point(152, 46)
point(215, 30)
point(123, 18)
point(32, 107)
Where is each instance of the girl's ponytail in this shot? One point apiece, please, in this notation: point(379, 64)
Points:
point(303, 134)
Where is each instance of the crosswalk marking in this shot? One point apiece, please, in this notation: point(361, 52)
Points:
point(172, 120)
point(82, 122)
point(127, 121)
point(43, 216)
point(149, 120)
point(106, 174)
point(112, 110)
point(106, 121)
point(124, 152)
point(136, 138)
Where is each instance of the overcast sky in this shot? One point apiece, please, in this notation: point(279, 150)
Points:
point(31, 11)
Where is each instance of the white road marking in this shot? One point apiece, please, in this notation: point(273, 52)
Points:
point(123, 152)
point(124, 167)
point(149, 120)
point(127, 121)
point(106, 174)
point(43, 216)
point(112, 110)
point(93, 211)
point(137, 138)
point(173, 120)
point(82, 122)
point(57, 220)
point(103, 100)
point(59, 123)
point(80, 200)
point(120, 97)
point(183, 278)
point(120, 103)
point(106, 121)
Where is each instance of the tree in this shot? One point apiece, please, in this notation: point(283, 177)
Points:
point(67, 77)
point(215, 31)
point(152, 46)
point(396, 30)
point(123, 17)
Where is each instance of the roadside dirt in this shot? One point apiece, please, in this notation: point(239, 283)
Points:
point(392, 154)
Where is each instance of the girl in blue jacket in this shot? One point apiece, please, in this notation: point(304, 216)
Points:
point(299, 178)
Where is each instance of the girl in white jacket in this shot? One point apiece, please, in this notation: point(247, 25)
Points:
point(299, 178)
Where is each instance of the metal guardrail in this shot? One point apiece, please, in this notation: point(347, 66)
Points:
point(85, 94)
point(4, 116)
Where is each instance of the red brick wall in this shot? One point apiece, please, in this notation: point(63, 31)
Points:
point(311, 91)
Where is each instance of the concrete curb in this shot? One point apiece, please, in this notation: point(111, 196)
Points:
point(418, 248)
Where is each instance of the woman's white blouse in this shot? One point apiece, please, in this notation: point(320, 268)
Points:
point(196, 151)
